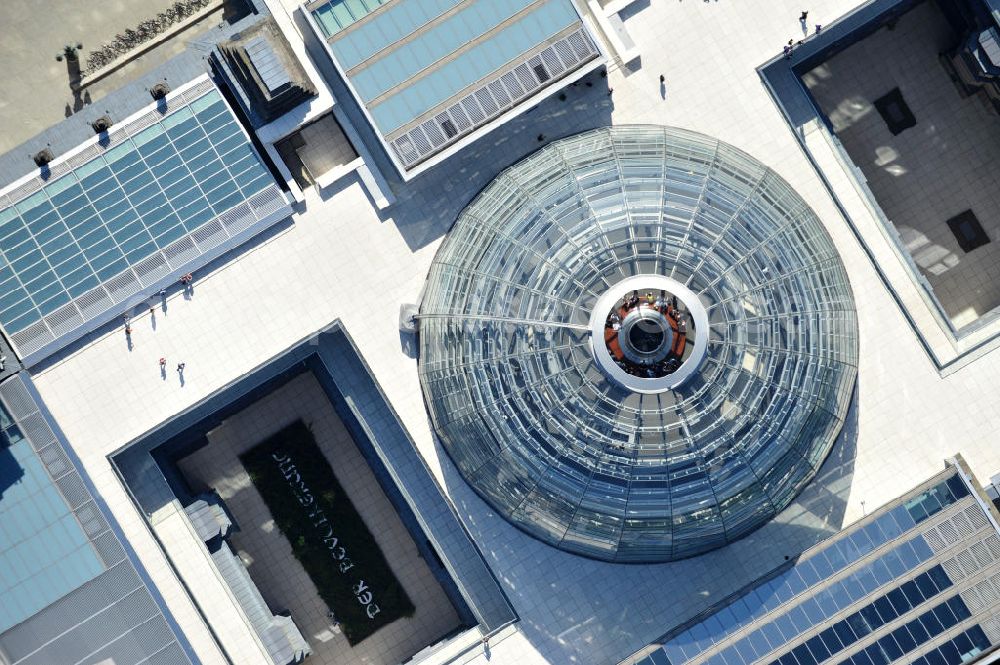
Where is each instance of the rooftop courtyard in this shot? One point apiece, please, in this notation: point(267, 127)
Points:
point(268, 554)
point(922, 176)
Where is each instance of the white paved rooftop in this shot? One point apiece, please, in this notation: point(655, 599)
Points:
point(340, 260)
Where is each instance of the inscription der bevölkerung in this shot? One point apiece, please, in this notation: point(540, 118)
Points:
point(319, 521)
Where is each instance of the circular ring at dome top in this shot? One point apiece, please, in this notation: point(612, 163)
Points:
point(659, 369)
point(518, 320)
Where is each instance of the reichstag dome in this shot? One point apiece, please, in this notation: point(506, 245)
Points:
point(638, 344)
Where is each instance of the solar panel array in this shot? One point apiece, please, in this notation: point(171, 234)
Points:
point(126, 212)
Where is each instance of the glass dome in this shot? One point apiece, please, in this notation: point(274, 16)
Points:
point(638, 344)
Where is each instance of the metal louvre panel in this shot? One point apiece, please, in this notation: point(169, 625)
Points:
point(27, 189)
point(151, 269)
point(967, 562)
point(499, 93)
point(93, 302)
point(73, 490)
point(982, 554)
point(972, 599)
point(209, 235)
point(32, 338)
point(581, 44)
point(433, 131)
point(16, 398)
point(91, 519)
point(962, 525)
point(181, 251)
point(64, 319)
point(420, 141)
point(948, 533)
point(565, 53)
point(238, 219)
point(993, 542)
point(509, 81)
point(37, 430)
point(976, 517)
point(987, 592)
point(474, 110)
point(526, 78)
point(934, 540)
point(405, 149)
point(114, 138)
point(552, 62)
point(85, 155)
point(141, 123)
point(60, 169)
point(486, 100)
point(955, 573)
point(459, 117)
point(992, 629)
point(267, 202)
point(197, 90)
point(122, 286)
point(55, 460)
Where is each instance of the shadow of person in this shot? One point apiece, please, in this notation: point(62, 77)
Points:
point(663, 89)
point(68, 110)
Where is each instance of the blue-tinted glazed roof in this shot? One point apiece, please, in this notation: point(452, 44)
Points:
point(410, 100)
point(413, 55)
point(44, 552)
point(122, 206)
point(439, 40)
point(336, 15)
point(396, 22)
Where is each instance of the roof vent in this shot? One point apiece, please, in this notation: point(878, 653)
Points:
point(159, 91)
point(102, 124)
point(43, 157)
